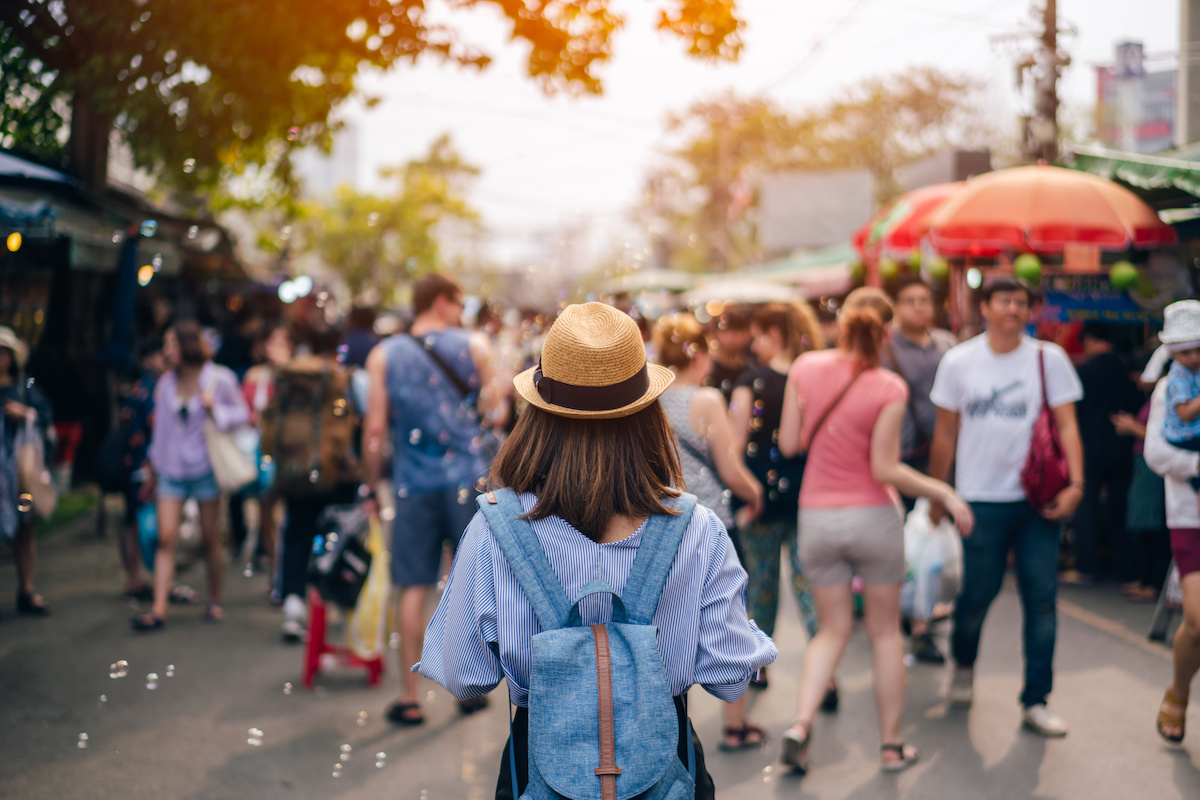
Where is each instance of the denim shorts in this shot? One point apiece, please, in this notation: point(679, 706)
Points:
point(424, 522)
point(200, 489)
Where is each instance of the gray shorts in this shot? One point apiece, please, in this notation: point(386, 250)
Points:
point(838, 543)
point(424, 522)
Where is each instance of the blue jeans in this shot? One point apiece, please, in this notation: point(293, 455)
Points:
point(1000, 527)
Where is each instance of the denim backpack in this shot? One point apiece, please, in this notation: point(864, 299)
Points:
point(611, 673)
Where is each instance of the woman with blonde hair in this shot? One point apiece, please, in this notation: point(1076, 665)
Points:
point(845, 410)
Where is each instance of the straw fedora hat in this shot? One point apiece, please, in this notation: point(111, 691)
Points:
point(1181, 323)
point(593, 367)
point(10, 340)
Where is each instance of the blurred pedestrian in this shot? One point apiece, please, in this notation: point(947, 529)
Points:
point(729, 348)
point(193, 390)
point(26, 412)
point(1108, 460)
point(709, 456)
point(780, 333)
point(360, 337)
point(136, 425)
point(595, 470)
point(989, 392)
point(913, 351)
point(845, 410)
point(1180, 468)
point(425, 386)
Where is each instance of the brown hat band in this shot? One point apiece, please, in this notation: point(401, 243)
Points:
point(592, 398)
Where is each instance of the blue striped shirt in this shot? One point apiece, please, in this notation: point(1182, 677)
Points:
point(483, 628)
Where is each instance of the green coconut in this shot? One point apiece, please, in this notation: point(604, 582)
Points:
point(1122, 275)
point(888, 268)
point(1028, 268)
point(939, 268)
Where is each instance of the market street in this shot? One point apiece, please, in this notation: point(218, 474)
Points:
point(188, 737)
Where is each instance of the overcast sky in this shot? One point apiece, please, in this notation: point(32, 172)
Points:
point(549, 160)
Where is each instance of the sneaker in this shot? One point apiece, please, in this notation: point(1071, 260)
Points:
point(962, 687)
point(1043, 721)
point(293, 631)
point(925, 650)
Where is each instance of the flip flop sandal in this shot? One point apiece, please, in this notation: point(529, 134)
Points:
point(143, 594)
point(908, 756)
point(182, 595)
point(402, 714)
point(32, 604)
point(144, 623)
point(747, 737)
point(795, 749)
point(829, 703)
point(214, 611)
point(1166, 718)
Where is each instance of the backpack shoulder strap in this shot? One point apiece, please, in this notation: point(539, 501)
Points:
point(655, 555)
point(525, 556)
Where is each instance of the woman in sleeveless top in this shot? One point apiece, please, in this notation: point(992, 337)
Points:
point(845, 410)
point(711, 461)
point(591, 459)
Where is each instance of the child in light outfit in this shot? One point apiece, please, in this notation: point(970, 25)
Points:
point(1181, 422)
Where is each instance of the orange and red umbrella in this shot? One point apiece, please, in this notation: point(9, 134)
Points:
point(897, 228)
point(1043, 209)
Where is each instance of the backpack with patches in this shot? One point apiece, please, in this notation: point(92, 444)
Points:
point(602, 722)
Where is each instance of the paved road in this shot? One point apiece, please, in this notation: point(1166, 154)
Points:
point(187, 738)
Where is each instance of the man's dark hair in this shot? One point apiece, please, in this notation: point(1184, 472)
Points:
point(324, 340)
point(907, 282)
point(1099, 331)
point(1007, 283)
point(429, 288)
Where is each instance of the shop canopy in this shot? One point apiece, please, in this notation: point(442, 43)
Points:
point(1168, 180)
point(815, 274)
point(1044, 209)
point(897, 228)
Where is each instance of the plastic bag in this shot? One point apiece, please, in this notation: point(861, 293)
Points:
point(933, 556)
point(367, 624)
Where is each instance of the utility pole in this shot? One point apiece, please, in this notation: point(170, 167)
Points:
point(1042, 66)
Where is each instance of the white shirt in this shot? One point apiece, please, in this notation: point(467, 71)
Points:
point(1175, 465)
point(998, 398)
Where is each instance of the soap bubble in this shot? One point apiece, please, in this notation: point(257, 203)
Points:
point(103, 702)
point(152, 681)
point(170, 670)
point(337, 770)
point(362, 718)
point(345, 756)
point(287, 688)
point(119, 669)
point(83, 741)
point(380, 760)
point(767, 771)
point(254, 737)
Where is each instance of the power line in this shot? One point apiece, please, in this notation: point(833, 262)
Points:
point(816, 46)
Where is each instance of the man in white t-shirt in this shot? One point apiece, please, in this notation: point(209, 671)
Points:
point(988, 394)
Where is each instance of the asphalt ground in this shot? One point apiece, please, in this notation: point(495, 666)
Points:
point(187, 738)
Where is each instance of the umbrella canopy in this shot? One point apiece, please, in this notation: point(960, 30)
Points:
point(1044, 209)
point(741, 290)
point(897, 228)
point(649, 280)
point(823, 272)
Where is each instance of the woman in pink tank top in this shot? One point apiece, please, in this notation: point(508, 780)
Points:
point(845, 410)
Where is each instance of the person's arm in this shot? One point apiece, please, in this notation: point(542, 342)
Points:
point(887, 468)
point(1167, 461)
point(941, 452)
point(1065, 502)
point(1127, 425)
point(713, 424)
point(491, 397)
point(740, 405)
point(375, 422)
point(1188, 410)
point(791, 423)
point(225, 403)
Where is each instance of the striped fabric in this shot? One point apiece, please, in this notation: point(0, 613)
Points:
point(483, 628)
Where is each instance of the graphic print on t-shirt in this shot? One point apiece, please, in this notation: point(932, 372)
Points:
point(999, 403)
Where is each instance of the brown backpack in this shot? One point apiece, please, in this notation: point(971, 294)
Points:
point(309, 426)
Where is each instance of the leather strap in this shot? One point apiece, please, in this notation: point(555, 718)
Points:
point(812, 437)
point(608, 769)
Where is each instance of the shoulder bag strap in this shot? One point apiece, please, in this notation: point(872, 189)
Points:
point(454, 377)
point(825, 415)
point(705, 460)
point(526, 558)
point(655, 555)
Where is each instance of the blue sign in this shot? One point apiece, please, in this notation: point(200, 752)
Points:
point(1093, 299)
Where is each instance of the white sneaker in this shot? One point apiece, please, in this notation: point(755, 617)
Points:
point(962, 687)
point(1042, 720)
point(295, 615)
point(293, 630)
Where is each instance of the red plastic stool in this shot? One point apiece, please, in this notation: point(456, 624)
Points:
point(317, 647)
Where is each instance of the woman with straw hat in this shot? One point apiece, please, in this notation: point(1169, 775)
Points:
point(23, 404)
point(593, 462)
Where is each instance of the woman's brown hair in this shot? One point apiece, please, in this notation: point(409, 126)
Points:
point(678, 338)
point(193, 350)
point(586, 471)
point(797, 325)
point(863, 321)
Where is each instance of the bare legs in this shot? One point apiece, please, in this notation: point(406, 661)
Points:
point(825, 650)
point(170, 514)
point(410, 610)
point(1186, 650)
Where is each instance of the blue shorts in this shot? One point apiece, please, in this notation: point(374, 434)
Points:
point(202, 489)
point(424, 522)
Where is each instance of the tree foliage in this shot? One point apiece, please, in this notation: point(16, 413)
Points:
point(698, 197)
point(376, 242)
point(200, 87)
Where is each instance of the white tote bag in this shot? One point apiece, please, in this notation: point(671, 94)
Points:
point(231, 467)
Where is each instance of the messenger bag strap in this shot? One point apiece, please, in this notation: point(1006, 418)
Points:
point(608, 769)
point(829, 410)
point(454, 377)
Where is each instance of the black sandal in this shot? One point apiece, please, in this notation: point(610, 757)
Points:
point(742, 734)
point(908, 756)
point(473, 704)
point(401, 714)
point(829, 703)
point(144, 623)
point(32, 604)
point(795, 749)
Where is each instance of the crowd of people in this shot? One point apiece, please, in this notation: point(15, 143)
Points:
point(797, 435)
